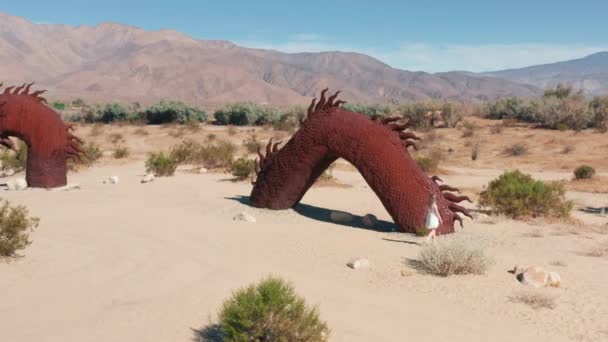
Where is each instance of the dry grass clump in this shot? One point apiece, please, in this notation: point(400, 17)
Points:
point(430, 162)
point(218, 154)
point(96, 130)
point(453, 255)
point(15, 223)
point(468, 129)
point(121, 152)
point(516, 150)
point(141, 131)
point(242, 168)
point(535, 299)
point(160, 164)
point(252, 144)
point(91, 153)
point(115, 138)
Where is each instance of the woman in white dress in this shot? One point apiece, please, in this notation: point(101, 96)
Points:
point(433, 218)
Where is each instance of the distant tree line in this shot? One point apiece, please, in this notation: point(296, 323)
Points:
point(561, 108)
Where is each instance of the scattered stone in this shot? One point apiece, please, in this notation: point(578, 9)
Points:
point(369, 220)
point(243, 216)
point(202, 170)
point(536, 276)
point(554, 279)
point(406, 272)
point(16, 184)
point(340, 216)
point(112, 180)
point(358, 263)
point(148, 178)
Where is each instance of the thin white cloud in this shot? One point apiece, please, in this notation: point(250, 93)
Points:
point(442, 57)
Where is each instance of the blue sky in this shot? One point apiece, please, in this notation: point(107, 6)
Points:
point(415, 35)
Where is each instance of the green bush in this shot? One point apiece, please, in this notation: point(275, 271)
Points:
point(14, 160)
point(584, 172)
point(290, 120)
point(160, 164)
point(368, 109)
point(59, 105)
point(510, 108)
point(173, 111)
point(246, 114)
point(242, 168)
point(113, 112)
point(270, 311)
point(515, 194)
point(15, 223)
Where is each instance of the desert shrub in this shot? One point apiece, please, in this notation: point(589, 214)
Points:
point(496, 129)
point(214, 155)
point(96, 130)
point(584, 172)
point(141, 131)
point(115, 138)
point(173, 111)
point(14, 160)
point(599, 113)
point(91, 153)
point(270, 311)
point(563, 113)
point(418, 114)
point(59, 105)
point(451, 115)
point(468, 129)
point(15, 223)
point(453, 255)
point(245, 114)
point(79, 103)
point(430, 162)
point(242, 168)
point(290, 120)
point(515, 194)
point(113, 112)
point(372, 109)
point(510, 108)
point(121, 152)
point(218, 155)
point(160, 164)
point(516, 150)
point(252, 144)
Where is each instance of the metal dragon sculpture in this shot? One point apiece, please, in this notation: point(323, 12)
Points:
point(49, 141)
point(376, 146)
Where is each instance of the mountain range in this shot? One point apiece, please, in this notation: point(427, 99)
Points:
point(117, 62)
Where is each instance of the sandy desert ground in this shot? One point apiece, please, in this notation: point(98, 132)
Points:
point(154, 262)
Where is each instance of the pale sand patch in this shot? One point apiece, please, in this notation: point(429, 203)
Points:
point(150, 262)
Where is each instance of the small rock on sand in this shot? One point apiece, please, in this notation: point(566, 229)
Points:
point(358, 263)
point(340, 216)
point(148, 178)
point(67, 187)
point(243, 216)
point(17, 184)
point(536, 276)
point(112, 180)
point(369, 220)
